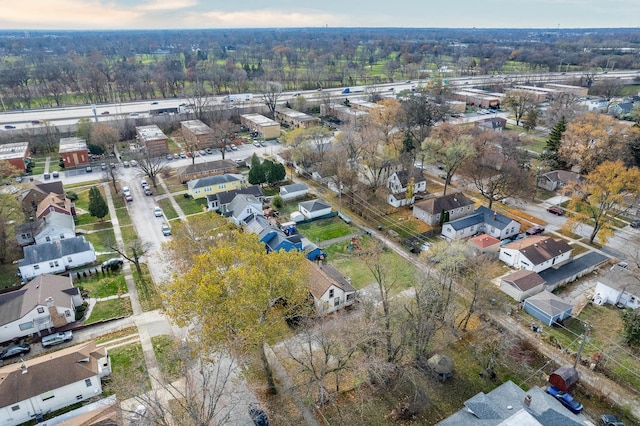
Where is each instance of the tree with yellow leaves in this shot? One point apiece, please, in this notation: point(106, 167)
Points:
point(600, 199)
point(236, 294)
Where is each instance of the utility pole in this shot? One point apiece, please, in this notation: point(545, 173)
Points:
point(584, 338)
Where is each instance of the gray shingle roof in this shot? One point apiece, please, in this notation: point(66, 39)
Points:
point(447, 203)
point(524, 279)
point(54, 250)
point(227, 196)
point(294, 187)
point(538, 249)
point(549, 303)
point(314, 205)
point(212, 180)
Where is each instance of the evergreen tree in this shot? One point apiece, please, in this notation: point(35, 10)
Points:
point(97, 206)
point(256, 173)
point(550, 154)
point(273, 172)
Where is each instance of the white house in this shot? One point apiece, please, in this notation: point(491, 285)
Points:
point(295, 190)
point(314, 208)
point(56, 226)
point(48, 383)
point(44, 303)
point(618, 286)
point(220, 202)
point(482, 220)
point(522, 284)
point(398, 185)
point(536, 253)
point(56, 256)
point(443, 209)
point(243, 206)
point(330, 289)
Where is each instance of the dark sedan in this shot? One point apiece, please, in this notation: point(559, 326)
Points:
point(535, 230)
point(15, 350)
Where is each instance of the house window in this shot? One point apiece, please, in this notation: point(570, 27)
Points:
point(50, 264)
point(56, 263)
point(62, 236)
point(15, 408)
point(48, 239)
point(78, 397)
point(47, 395)
point(40, 310)
point(26, 325)
point(69, 259)
point(330, 293)
point(24, 236)
point(87, 382)
point(36, 266)
point(67, 313)
point(350, 296)
point(336, 301)
point(507, 253)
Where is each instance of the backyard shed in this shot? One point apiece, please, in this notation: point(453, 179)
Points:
point(564, 378)
point(548, 308)
point(441, 365)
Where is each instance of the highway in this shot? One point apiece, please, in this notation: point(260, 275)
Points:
point(34, 118)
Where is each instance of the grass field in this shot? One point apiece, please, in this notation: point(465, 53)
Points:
point(103, 285)
point(147, 290)
point(165, 350)
point(167, 207)
point(99, 240)
point(189, 205)
point(110, 309)
point(326, 229)
point(127, 362)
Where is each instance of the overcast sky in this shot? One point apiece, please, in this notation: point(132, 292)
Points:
point(168, 14)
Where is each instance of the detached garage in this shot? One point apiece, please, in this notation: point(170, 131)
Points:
point(548, 308)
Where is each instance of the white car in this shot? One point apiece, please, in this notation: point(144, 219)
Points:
point(126, 190)
point(157, 211)
point(57, 338)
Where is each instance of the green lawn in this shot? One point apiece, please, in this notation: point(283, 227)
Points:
point(326, 229)
point(82, 220)
point(167, 207)
point(110, 309)
point(123, 217)
point(100, 238)
point(352, 265)
point(128, 233)
point(127, 363)
point(103, 285)
point(189, 205)
point(166, 351)
point(147, 290)
point(8, 277)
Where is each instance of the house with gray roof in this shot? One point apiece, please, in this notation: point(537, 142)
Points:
point(56, 226)
point(536, 253)
point(313, 209)
point(293, 191)
point(522, 284)
point(220, 202)
point(273, 238)
point(242, 206)
point(209, 185)
point(55, 257)
point(398, 185)
point(44, 303)
point(548, 308)
point(209, 168)
point(50, 382)
point(437, 210)
point(481, 221)
point(509, 405)
point(557, 179)
point(618, 286)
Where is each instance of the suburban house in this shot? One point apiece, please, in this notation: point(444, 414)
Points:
point(313, 209)
point(398, 184)
point(621, 110)
point(55, 226)
point(443, 209)
point(293, 191)
point(200, 188)
point(486, 244)
point(15, 154)
point(377, 176)
point(619, 286)
point(220, 201)
point(55, 257)
point(522, 284)
point(508, 405)
point(152, 139)
point(73, 152)
point(210, 168)
point(50, 382)
point(482, 220)
point(273, 238)
point(243, 206)
point(46, 302)
point(547, 307)
point(197, 134)
point(25, 232)
point(330, 289)
point(36, 192)
point(266, 127)
point(536, 253)
point(295, 119)
point(55, 203)
point(557, 179)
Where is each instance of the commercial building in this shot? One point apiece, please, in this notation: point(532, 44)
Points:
point(152, 139)
point(266, 127)
point(197, 134)
point(295, 119)
point(73, 152)
point(15, 154)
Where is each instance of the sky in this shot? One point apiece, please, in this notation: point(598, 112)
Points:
point(197, 14)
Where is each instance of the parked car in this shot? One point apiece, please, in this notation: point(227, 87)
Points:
point(256, 144)
point(113, 262)
point(128, 197)
point(234, 148)
point(183, 155)
point(46, 176)
point(113, 165)
point(535, 230)
point(144, 183)
point(88, 169)
point(565, 399)
point(556, 210)
point(166, 231)
point(157, 212)
point(169, 157)
point(57, 338)
point(176, 156)
point(635, 224)
point(55, 175)
point(125, 163)
point(208, 151)
point(202, 152)
point(133, 163)
point(262, 144)
point(103, 166)
point(609, 420)
point(147, 191)
point(9, 126)
point(15, 350)
point(105, 113)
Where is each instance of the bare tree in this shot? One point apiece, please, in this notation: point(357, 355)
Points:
point(151, 165)
point(112, 173)
point(132, 251)
point(519, 102)
point(271, 92)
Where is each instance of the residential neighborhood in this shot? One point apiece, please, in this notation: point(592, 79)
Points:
point(440, 249)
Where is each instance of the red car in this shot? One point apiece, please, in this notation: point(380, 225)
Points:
point(534, 230)
point(555, 210)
